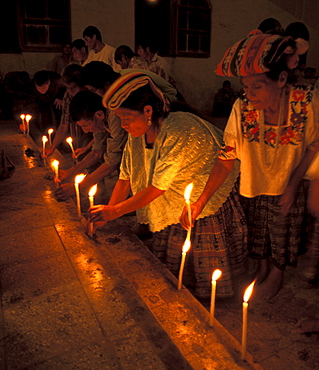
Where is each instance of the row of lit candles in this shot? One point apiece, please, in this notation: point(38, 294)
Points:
point(45, 139)
point(26, 118)
point(215, 276)
point(78, 179)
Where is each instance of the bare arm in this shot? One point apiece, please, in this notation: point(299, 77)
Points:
point(89, 160)
point(120, 192)
point(101, 214)
point(218, 175)
point(61, 134)
point(288, 197)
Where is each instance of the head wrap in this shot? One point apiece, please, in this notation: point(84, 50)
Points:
point(258, 53)
point(120, 90)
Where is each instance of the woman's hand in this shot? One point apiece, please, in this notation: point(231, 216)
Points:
point(196, 209)
point(101, 214)
point(63, 175)
point(80, 151)
point(65, 191)
point(58, 103)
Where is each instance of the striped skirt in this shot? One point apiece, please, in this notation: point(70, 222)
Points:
point(270, 234)
point(218, 241)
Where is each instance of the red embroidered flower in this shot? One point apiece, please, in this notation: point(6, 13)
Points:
point(285, 139)
point(227, 149)
point(298, 95)
point(296, 119)
point(251, 116)
point(270, 137)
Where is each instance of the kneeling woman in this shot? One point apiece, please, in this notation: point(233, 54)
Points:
point(164, 153)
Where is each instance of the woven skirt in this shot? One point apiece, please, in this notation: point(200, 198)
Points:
point(218, 241)
point(270, 234)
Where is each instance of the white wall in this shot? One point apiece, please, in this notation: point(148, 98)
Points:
point(232, 20)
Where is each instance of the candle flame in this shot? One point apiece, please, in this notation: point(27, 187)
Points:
point(69, 140)
point(188, 190)
point(55, 163)
point(22, 116)
point(50, 131)
point(79, 178)
point(28, 117)
point(216, 275)
point(249, 291)
point(44, 139)
point(186, 246)
point(92, 191)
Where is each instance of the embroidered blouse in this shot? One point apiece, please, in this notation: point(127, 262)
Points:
point(184, 152)
point(266, 162)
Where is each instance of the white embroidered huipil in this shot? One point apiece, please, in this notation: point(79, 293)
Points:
point(266, 167)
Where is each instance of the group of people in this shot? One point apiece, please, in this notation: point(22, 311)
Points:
point(253, 185)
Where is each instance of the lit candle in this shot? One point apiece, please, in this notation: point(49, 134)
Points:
point(186, 247)
point(50, 132)
point(55, 165)
point(92, 192)
point(216, 275)
point(22, 116)
point(247, 295)
point(69, 140)
point(187, 195)
point(28, 118)
point(78, 179)
point(44, 140)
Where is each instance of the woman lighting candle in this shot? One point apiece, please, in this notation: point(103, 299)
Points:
point(162, 156)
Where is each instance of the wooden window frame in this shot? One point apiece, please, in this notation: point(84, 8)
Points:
point(177, 32)
point(47, 25)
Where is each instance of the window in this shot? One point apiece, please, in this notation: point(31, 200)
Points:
point(44, 24)
point(177, 27)
point(192, 28)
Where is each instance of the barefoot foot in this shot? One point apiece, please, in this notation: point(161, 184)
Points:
point(262, 270)
point(272, 285)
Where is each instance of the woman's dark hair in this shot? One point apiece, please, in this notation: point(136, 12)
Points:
point(73, 73)
point(84, 105)
point(297, 30)
point(143, 96)
point(271, 26)
point(280, 65)
point(98, 74)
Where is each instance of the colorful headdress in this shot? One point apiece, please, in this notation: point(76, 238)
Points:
point(258, 53)
point(119, 91)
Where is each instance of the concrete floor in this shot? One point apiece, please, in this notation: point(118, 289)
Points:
point(68, 302)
